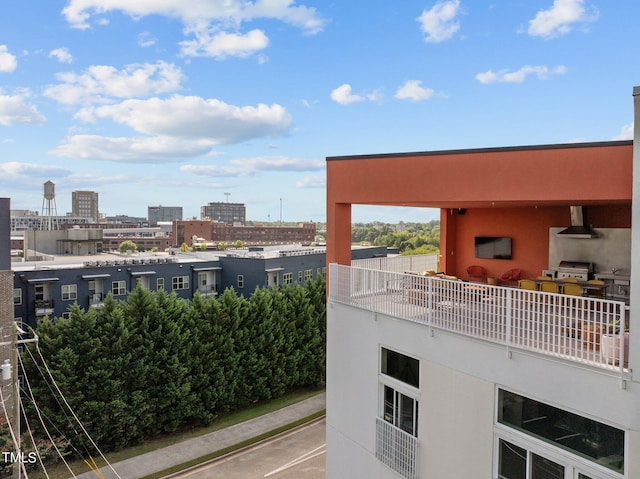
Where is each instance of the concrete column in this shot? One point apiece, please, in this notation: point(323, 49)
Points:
point(339, 233)
point(7, 332)
point(634, 342)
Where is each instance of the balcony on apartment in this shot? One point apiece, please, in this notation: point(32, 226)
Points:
point(43, 307)
point(577, 329)
point(96, 300)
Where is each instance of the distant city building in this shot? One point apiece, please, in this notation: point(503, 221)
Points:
point(85, 203)
point(163, 213)
point(24, 220)
point(136, 221)
point(229, 213)
point(208, 231)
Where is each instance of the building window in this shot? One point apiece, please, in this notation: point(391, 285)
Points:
point(160, 284)
point(66, 315)
point(400, 367)
point(240, 281)
point(577, 440)
point(287, 278)
point(397, 425)
point(308, 274)
point(299, 276)
point(69, 292)
point(119, 288)
point(180, 282)
point(17, 296)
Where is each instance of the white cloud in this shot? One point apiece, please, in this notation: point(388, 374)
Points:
point(173, 129)
point(8, 62)
point(159, 149)
point(626, 132)
point(14, 170)
point(206, 19)
point(518, 76)
point(413, 90)
point(78, 12)
point(192, 117)
point(15, 109)
point(146, 39)
point(223, 45)
point(101, 82)
point(62, 55)
point(439, 23)
point(312, 181)
point(344, 96)
point(250, 166)
point(560, 18)
point(278, 163)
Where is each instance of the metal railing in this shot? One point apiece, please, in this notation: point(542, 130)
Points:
point(43, 306)
point(396, 449)
point(399, 264)
point(577, 328)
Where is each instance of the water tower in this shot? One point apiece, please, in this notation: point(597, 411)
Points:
point(49, 213)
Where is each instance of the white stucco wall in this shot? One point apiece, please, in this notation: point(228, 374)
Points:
point(458, 381)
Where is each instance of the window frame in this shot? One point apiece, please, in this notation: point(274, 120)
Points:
point(287, 278)
point(401, 387)
point(179, 283)
point(160, 284)
point(240, 281)
point(119, 287)
point(574, 463)
point(17, 296)
point(69, 292)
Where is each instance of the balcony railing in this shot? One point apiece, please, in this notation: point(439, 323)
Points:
point(576, 328)
point(43, 307)
point(396, 449)
point(96, 300)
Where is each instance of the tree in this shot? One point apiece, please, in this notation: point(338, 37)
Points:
point(127, 245)
point(238, 244)
point(222, 246)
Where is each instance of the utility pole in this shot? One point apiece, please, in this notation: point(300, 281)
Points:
point(227, 195)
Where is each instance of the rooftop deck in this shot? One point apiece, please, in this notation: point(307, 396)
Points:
point(584, 330)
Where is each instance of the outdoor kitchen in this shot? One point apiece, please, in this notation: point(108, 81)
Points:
point(604, 253)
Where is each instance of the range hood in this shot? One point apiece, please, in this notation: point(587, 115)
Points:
point(577, 229)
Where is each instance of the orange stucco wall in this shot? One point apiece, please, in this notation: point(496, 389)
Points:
point(516, 192)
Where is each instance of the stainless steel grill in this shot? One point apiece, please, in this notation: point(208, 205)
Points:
point(580, 270)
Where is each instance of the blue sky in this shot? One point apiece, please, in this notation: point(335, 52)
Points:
point(177, 102)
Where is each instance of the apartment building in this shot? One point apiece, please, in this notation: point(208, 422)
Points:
point(437, 374)
point(85, 204)
point(229, 213)
point(160, 213)
point(217, 231)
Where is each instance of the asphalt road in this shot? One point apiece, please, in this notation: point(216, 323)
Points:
point(297, 454)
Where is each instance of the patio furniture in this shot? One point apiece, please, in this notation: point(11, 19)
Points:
point(573, 289)
point(512, 276)
point(527, 284)
point(477, 274)
point(549, 287)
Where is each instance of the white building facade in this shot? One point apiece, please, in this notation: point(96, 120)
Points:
point(432, 378)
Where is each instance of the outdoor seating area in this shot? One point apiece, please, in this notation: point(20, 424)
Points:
point(559, 324)
point(571, 286)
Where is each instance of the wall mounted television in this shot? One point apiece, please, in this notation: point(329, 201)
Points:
point(493, 247)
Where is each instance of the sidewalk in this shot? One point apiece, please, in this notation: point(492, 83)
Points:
point(169, 456)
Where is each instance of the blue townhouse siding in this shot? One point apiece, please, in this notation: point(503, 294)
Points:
point(50, 289)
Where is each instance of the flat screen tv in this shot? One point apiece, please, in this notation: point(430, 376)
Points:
point(493, 247)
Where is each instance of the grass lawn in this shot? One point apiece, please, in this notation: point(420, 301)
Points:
point(60, 471)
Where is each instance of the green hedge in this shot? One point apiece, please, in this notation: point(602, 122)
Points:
point(154, 363)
